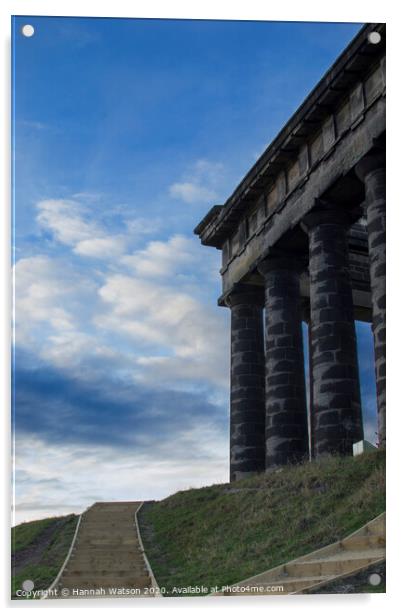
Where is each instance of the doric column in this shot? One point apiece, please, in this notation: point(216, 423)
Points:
point(247, 393)
point(337, 418)
point(371, 170)
point(286, 430)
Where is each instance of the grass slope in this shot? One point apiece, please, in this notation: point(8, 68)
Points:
point(38, 549)
point(224, 533)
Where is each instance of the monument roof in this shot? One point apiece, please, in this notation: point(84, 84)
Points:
point(357, 58)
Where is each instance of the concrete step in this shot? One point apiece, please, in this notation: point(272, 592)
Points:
point(289, 585)
point(343, 554)
point(102, 568)
point(90, 561)
point(107, 524)
point(123, 551)
point(113, 564)
point(101, 581)
point(98, 520)
point(337, 564)
point(354, 553)
point(108, 521)
point(377, 527)
point(107, 552)
point(103, 572)
point(95, 567)
point(101, 549)
point(121, 537)
point(99, 514)
point(363, 542)
point(102, 531)
point(292, 584)
point(84, 559)
point(103, 542)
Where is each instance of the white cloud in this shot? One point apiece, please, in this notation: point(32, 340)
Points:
point(200, 184)
point(65, 218)
point(89, 197)
point(101, 247)
point(57, 480)
point(155, 315)
point(138, 227)
point(40, 295)
point(189, 192)
point(137, 304)
point(162, 258)
point(147, 315)
point(70, 317)
point(51, 302)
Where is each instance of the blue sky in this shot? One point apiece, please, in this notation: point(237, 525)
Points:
point(126, 132)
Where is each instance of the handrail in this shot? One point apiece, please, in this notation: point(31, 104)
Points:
point(57, 578)
point(147, 563)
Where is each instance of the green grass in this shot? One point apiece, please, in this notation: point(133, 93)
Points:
point(39, 549)
point(225, 533)
point(25, 534)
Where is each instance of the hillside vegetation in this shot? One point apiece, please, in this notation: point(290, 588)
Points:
point(225, 533)
point(38, 550)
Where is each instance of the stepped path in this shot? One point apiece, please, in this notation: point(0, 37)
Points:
point(358, 551)
point(107, 558)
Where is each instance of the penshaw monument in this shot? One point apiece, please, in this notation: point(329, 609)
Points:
point(303, 239)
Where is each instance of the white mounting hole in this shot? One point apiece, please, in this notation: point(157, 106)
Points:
point(374, 579)
point(374, 38)
point(28, 585)
point(28, 30)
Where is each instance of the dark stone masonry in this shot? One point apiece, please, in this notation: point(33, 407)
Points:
point(286, 431)
point(303, 239)
point(336, 412)
point(372, 171)
point(247, 391)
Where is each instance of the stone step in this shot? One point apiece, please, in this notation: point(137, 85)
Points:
point(344, 562)
point(101, 552)
point(101, 514)
point(352, 554)
point(82, 567)
point(86, 542)
point(102, 555)
point(362, 542)
point(106, 525)
point(121, 530)
point(377, 527)
point(101, 581)
point(98, 551)
point(112, 560)
point(371, 553)
point(106, 565)
point(107, 553)
point(98, 520)
point(289, 585)
point(104, 572)
point(118, 537)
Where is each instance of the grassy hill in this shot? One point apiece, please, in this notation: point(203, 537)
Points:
point(38, 549)
point(224, 533)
